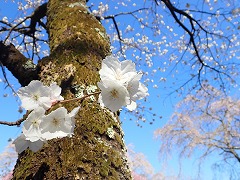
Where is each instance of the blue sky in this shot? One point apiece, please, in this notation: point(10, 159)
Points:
point(142, 138)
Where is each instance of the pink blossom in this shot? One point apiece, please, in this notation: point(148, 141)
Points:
point(8, 176)
point(138, 176)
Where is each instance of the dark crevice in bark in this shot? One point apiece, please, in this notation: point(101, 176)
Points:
point(40, 173)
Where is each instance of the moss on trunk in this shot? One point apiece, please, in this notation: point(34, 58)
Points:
point(78, 43)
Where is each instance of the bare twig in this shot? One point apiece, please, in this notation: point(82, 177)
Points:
point(16, 123)
point(6, 80)
point(79, 99)
point(113, 18)
point(35, 17)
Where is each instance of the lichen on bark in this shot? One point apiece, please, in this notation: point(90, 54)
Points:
point(77, 49)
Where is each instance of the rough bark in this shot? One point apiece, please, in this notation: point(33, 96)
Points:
point(78, 43)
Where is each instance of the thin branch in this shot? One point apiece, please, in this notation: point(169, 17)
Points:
point(35, 17)
point(77, 99)
point(117, 29)
point(113, 18)
point(192, 33)
point(14, 27)
point(6, 80)
point(16, 123)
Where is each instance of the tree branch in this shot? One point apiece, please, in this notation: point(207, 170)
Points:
point(113, 18)
point(193, 32)
point(22, 68)
point(18, 122)
point(36, 17)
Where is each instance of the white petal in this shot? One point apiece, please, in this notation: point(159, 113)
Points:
point(100, 100)
point(35, 146)
point(55, 92)
point(72, 115)
point(127, 66)
point(21, 143)
point(57, 124)
point(142, 92)
point(31, 125)
point(28, 103)
point(58, 134)
point(133, 85)
point(53, 121)
point(111, 67)
point(111, 62)
point(74, 112)
point(45, 102)
point(37, 86)
point(132, 106)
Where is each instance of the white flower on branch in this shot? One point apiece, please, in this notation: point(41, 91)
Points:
point(58, 124)
point(37, 95)
point(31, 128)
point(115, 70)
point(113, 95)
point(120, 84)
point(39, 128)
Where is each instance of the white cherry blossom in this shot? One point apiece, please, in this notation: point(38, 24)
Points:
point(120, 84)
point(31, 128)
point(57, 124)
point(35, 95)
point(113, 69)
point(113, 95)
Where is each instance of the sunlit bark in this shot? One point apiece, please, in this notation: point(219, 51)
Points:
point(78, 43)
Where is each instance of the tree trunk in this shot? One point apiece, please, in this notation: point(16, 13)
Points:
point(78, 43)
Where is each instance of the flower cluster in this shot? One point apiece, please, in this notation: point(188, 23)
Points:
point(38, 127)
point(120, 84)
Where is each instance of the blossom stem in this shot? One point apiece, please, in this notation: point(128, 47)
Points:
point(77, 99)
